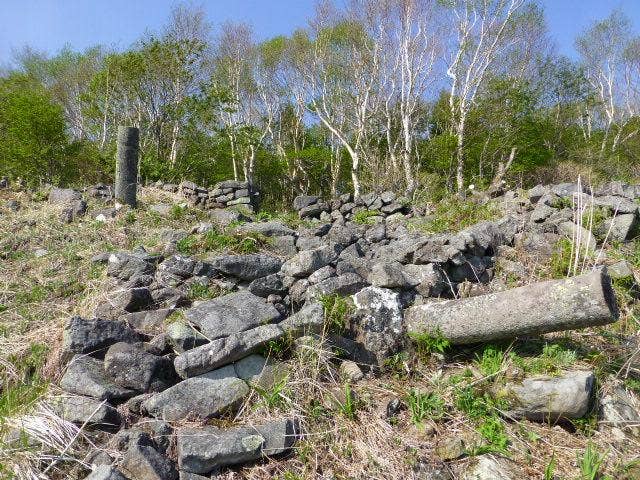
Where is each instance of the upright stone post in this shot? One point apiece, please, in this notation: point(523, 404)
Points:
point(127, 165)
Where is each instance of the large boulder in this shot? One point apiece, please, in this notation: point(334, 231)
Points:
point(621, 227)
point(232, 313)
point(125, 265)
point(246, 267)
point(197, 398)
point(123, 301)
point(86, 376)
point(390, 275)
point(64, 196)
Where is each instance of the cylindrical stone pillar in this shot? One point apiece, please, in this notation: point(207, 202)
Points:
point(126, 184)
point(582, 301)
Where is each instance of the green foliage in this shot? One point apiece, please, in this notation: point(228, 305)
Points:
point(427, 343)
point(560, 262)
point(365, 217)
point(549, 470)
point(336, 311)
point(590, 463)
point(276, 395)
point(349, 406)
point(493, 431)
point(425, 405)
point(491, 360)
point(453, 214)
point(200, 291)
point(215, 241)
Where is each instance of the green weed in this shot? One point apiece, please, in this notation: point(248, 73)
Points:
point(424, 405)
point(427, 343)
point(491, 360)
point(336, 311)
point(590, 463)
point(348, 408)
point(453, 214)
point(365, 217)
point(200, 291)
point(275, 396)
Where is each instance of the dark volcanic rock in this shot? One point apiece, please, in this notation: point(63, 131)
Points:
point(86, 376)
point(247, 267)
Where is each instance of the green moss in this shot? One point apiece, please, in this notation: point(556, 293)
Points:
point(365, 217)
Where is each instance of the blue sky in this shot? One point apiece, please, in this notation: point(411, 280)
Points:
point(50, 24)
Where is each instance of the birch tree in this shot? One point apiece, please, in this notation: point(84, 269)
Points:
point(483, 28)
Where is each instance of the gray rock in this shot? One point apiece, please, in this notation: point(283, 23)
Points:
point(302, 201)
point(541, 212)
point(86, 336)
point(308, 320)
point(205, 449)
point(402, 249)
point(225, 217)
point(87, 410)
point(566, 189)
point(86, 376)
point(232, 313)
point(105, 472)
point(176, 269)
point(131, 367)
point(308, 242)
point(430, 282)
point(390, 275)
point(124, 301)
point(551, 398)
point(125, 265)
point(620, 205)
point(620, 270)
point(619, 409)
point(284, 246)
point(313, 210)
point(197, 398)
point(162, 209)
point(387, 197)
point(322, 274)
point(536, 193)
point(246, 267)
point(345, 284)
point(379, 322)
point(146, 463)
point(259, 371)
point(490, 467)
point(308, 261)
point(274, 284)
point(621, 227)
point(64, 196)
point(184, 337)
point(150, 321)
point(272, 228)
point(570, 230)
point(223, 351)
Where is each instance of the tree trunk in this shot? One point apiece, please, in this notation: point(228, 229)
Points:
point(576, 302)
point(460, 154)
point(126, 184)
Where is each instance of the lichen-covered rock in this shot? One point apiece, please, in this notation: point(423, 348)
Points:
point(223, 351)
point(81, 410)
point(378, 321)
point(146, 463)
point(308, 261)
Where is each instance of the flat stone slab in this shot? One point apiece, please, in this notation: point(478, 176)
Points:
point(201, 450)
point(223, 351)
point(246, 267)
point(197, 398)
point(85, 336)
point(230, 314)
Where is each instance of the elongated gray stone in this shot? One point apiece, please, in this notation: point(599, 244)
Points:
point(554, 305)
point(225, 350)
point(198, 398)
point(126, 184)
point(201, 450)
